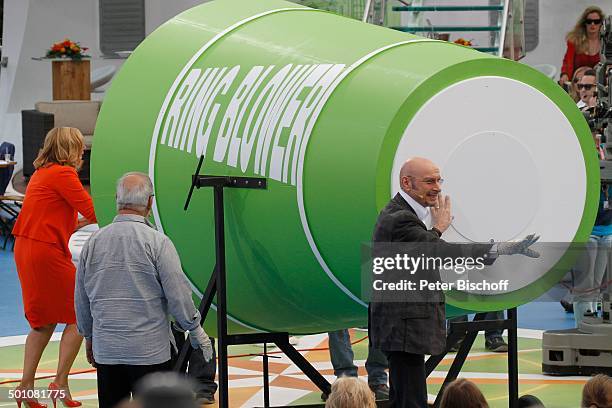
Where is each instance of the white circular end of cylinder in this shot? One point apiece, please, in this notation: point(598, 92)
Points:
point(512, 165)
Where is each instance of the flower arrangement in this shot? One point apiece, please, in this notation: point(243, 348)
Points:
point(464, 42)
point(67, 49)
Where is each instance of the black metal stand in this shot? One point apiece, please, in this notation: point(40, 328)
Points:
point(217, 285)
point(468, 332)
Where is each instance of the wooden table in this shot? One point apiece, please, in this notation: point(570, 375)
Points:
point(4, 164)
point(71, 79)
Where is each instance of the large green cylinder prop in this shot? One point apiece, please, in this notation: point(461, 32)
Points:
point(328, 108)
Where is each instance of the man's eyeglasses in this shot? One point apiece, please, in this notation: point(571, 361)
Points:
point(588, 21)
point(586, 87)
point(430, 181)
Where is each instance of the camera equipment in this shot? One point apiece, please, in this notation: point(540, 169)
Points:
point(586, 350)
point(601, 115)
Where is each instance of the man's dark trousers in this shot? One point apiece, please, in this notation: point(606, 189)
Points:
point(117, 381)
point(407, 380)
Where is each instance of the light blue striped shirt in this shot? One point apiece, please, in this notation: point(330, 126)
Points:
point(129, 279)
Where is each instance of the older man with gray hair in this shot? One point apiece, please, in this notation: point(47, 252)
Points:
point(129, 279)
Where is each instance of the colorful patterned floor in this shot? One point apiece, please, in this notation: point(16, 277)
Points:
point(290, 387)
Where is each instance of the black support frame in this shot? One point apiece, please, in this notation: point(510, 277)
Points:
point(467, 331)
point(217, 286)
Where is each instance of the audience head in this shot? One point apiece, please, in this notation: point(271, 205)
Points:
point(164, 390)
point(587, 86)
point(597, 392)
point(349, 392)
point(530, 401)
point(578, 73)
point(462, 393)
point(134, 193)
point(63, 145)
point(589, 23)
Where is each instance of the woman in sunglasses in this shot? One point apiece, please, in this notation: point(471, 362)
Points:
point(587, 90)
point(573, 89)
point(583, 44)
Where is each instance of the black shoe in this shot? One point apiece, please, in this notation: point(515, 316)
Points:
point(324, 396)
point(496, 345)
point(381, 391)
point(569, 307)
point(205, 399)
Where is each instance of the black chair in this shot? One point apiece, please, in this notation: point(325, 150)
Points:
point(34, 128)
point(9, 205)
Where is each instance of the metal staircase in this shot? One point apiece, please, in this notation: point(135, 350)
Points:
point(416, 16)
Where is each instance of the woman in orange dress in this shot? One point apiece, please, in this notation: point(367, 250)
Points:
point(44, 264)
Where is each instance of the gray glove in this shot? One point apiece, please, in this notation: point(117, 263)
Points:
point(520, 247)
point(199, 340)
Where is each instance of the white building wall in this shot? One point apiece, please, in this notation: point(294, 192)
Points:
point(30, 28)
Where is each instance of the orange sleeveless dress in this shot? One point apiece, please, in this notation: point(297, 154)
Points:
point(42, 230)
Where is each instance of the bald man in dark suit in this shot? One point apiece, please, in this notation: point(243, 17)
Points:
point(405, 331)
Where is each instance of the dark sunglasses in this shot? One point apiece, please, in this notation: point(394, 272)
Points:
point(588, 21)
point(586, 87)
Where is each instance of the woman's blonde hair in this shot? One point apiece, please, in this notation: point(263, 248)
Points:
point(597, 392)
point(63, 145)
point(350, 392)
point(578, 34)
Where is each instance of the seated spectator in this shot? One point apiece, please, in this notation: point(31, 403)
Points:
point(583, 43)
point(587, 90)
point(573, 89)
point(591, 266)
point(597, 392)
point(129, 279)
point(530, 401)
point(463, 393)
point(350, 392)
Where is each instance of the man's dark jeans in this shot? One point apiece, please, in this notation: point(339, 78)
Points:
point(116, 381)
point(341, 354)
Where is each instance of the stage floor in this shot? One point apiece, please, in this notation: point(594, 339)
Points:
point(288, 385)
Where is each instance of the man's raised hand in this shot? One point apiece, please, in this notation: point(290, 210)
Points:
point(441, 213)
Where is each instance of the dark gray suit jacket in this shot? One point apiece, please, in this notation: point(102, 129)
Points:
point(411, 327)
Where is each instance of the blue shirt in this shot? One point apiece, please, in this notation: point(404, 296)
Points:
point(129, 279)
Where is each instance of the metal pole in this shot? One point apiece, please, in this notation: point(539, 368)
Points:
point(512, 359)
point(221, 298)
point(266, 379)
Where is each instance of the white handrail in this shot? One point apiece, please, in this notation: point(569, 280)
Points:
point(502, 33)
point(366, 11)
